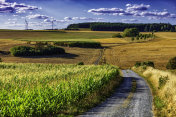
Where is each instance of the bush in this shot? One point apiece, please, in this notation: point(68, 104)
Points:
point(131, 32)
point(0, 60)
point(31, 51)
point(171, 64)
point(149, 63)
point(4, 52)
point(138, 64)
point(78, 44)
point(118, 35)
point(132, 39)
point(28, 42)
point(162, 81)
point(80, 63)
point(137, 37)
point(146, 63)
point(22, 51)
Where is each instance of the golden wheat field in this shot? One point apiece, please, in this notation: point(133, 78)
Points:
point(125, 54)
point(72, 56)
point(119, 51)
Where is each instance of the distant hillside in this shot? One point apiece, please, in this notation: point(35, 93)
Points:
point(104, 26)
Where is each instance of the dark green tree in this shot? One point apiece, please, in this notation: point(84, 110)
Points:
point(131, 32)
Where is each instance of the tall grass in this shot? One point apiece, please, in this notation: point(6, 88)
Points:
point(164, 86)
point(45, 89)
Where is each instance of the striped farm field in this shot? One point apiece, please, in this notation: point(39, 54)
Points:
point(47, 89)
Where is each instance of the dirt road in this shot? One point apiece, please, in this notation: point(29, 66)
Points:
point(124, 103)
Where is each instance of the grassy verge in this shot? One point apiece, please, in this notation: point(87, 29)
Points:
point(46, 89)
point(130, 96)
point(134, 86)
point(162, 84)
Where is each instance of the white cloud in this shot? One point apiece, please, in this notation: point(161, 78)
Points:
point(81, 18)
point(2, 0)
point(37, 16)
point(135, 10)
point(67, 18)
point(136, 7)
point(106, 11)
point(6, 7)
point(156, 15)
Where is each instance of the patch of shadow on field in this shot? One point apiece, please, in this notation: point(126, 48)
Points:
point(66, 56)
point(4, 52)
point(88, 47)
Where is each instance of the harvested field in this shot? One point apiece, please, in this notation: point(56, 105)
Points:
point(125, 54)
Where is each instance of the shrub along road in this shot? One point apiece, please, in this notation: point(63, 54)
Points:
point(126, 102)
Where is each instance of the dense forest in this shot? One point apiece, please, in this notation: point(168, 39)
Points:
point(103, 26)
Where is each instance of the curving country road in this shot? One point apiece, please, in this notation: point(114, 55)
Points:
point(124, 103)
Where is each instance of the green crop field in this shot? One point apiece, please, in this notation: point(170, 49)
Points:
point(53, 35)
point(47, 89)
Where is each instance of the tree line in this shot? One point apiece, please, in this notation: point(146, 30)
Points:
point(104, 26)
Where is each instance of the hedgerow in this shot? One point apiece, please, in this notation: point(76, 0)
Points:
point(81, 44)
point(35, 51)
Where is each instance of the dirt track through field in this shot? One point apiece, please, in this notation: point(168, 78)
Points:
point(124, 103)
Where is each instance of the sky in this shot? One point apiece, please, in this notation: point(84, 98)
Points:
point(40, 13)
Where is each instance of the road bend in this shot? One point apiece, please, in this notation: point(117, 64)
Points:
point(124, 103)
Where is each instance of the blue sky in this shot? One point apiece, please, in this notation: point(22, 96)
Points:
point(40, 13)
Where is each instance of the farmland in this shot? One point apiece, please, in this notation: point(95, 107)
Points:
point(35, 89)
point(11, 38)
point(53, 35)
point(120, 51)
point(40, 89)
point(125, 54)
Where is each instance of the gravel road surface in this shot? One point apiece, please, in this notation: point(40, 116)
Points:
point(124, 103)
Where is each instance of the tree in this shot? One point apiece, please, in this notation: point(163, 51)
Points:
point(105, 26)
point(132, 39)
point(171, 64)
point(137, 37)
point(131, 32)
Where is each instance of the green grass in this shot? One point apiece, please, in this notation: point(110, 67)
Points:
point(47, 89)
point(53, 35)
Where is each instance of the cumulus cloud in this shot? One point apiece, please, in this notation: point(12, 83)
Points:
point(54, 20)
point(6, 7)
point(37, 16)
point(101, 11)
point(172, 16)
point(136, 7)
point(139, 10)
point(68, 18)
point(81, 18)
point(155, 14)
